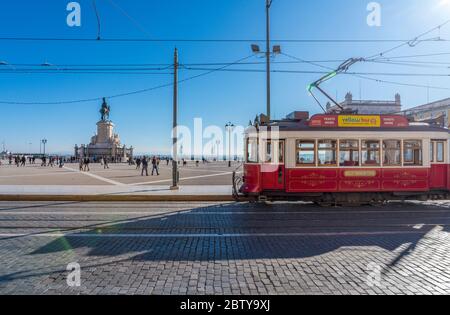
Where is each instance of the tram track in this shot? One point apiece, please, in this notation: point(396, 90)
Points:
point(215, 219)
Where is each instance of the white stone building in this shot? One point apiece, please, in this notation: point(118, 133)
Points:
point(436, 112)
point(368, 106)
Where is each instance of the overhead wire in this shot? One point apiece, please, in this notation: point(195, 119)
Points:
point(125, 93)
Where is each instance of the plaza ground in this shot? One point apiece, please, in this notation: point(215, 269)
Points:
point(225, 248)
point(121, 182)
point(214, 173)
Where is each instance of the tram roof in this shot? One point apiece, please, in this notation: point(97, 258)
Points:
point(372, 123)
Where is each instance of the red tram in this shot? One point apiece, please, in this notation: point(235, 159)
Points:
point(346, 159)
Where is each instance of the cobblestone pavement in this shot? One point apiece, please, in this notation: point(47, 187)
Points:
point(226, 248)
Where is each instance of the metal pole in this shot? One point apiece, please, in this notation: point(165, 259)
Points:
point(268, 3)
point(229, 146)
point(175, 123)
point(44, 142)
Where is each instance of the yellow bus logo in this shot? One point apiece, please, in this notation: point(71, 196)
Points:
point(359, 121)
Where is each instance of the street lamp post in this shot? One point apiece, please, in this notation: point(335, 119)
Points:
point(229, 128)
point(175, 124)
point(44, 142)
point(268, 4)
point(268, 53)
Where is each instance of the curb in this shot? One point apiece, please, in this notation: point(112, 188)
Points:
point(122, 198)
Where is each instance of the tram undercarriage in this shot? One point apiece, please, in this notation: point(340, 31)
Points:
point(345, 199)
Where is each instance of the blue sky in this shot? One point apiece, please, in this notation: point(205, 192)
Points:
point(144, 120)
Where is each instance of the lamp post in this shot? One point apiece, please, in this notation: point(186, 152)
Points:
point(268, 53)
point(44, 142)
point(229, 127)
point(175, 124)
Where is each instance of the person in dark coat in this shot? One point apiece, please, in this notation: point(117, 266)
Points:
point(155, 166)
point(144, 166)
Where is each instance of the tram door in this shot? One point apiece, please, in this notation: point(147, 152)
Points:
point(273, 167)
point(438, 176)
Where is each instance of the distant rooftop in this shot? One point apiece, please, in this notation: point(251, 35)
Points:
point(368, 106)
point(430, 106)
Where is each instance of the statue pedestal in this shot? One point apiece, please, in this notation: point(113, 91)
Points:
point(105, 131)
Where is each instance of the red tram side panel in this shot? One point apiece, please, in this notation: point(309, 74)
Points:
point(252, 179)
point(345, 180)
point(438, 176)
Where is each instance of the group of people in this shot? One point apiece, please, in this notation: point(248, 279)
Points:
point(18, 161)
point(85, 162)
point(52, 161)
point(21, 161)
point(144, 163)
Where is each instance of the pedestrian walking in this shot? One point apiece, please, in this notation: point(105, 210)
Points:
point(138, 163)
point(144, 166)
point(86, 165)
point(105, 163)
point(81, 164)
point(155, 166)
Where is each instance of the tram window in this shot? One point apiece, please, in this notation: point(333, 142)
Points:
point(392, 150)
point(327, 153)
point(412, 153)
point(252, 151)
point(306, 152)
point(349, 153)
point(268, 153)
point(370, 150)
point(281, 152)
point(440, 152)
point(432, 151)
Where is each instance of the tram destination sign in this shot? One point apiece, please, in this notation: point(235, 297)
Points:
point(358, 121)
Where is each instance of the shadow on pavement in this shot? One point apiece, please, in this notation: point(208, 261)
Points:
point(250, 231)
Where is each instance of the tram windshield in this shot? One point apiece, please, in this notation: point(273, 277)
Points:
point(252, 150)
